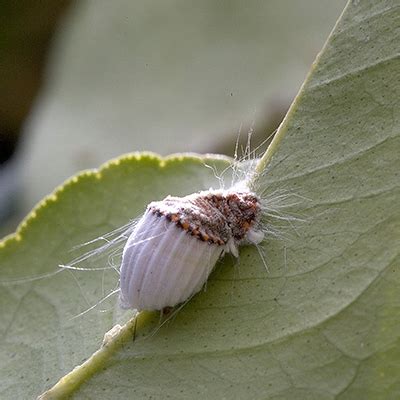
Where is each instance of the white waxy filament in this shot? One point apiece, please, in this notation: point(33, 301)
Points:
point(163, 265)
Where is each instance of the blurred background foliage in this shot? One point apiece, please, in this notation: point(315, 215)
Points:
point(84, 81)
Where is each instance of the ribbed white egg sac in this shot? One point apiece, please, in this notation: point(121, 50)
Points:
point(163, 265)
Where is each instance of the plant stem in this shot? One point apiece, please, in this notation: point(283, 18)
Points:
point(113, 340)
point(283, 127)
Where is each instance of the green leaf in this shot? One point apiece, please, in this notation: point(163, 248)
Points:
point(324, 323)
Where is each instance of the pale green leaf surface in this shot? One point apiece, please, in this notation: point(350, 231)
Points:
point(324, 323)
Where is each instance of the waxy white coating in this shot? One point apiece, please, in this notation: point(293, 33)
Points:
point(164, 264)
point(165, 269)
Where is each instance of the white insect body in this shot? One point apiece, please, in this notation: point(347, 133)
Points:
point(177, 242)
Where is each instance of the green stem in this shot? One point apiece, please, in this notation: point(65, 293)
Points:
point(283, 127)
point(113, 340)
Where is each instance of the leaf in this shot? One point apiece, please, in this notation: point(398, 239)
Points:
point(324, 323)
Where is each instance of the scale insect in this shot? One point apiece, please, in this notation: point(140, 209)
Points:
point(170, 251)
point(186, 237)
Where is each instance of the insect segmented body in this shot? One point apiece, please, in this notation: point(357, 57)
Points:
point(177, 242)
